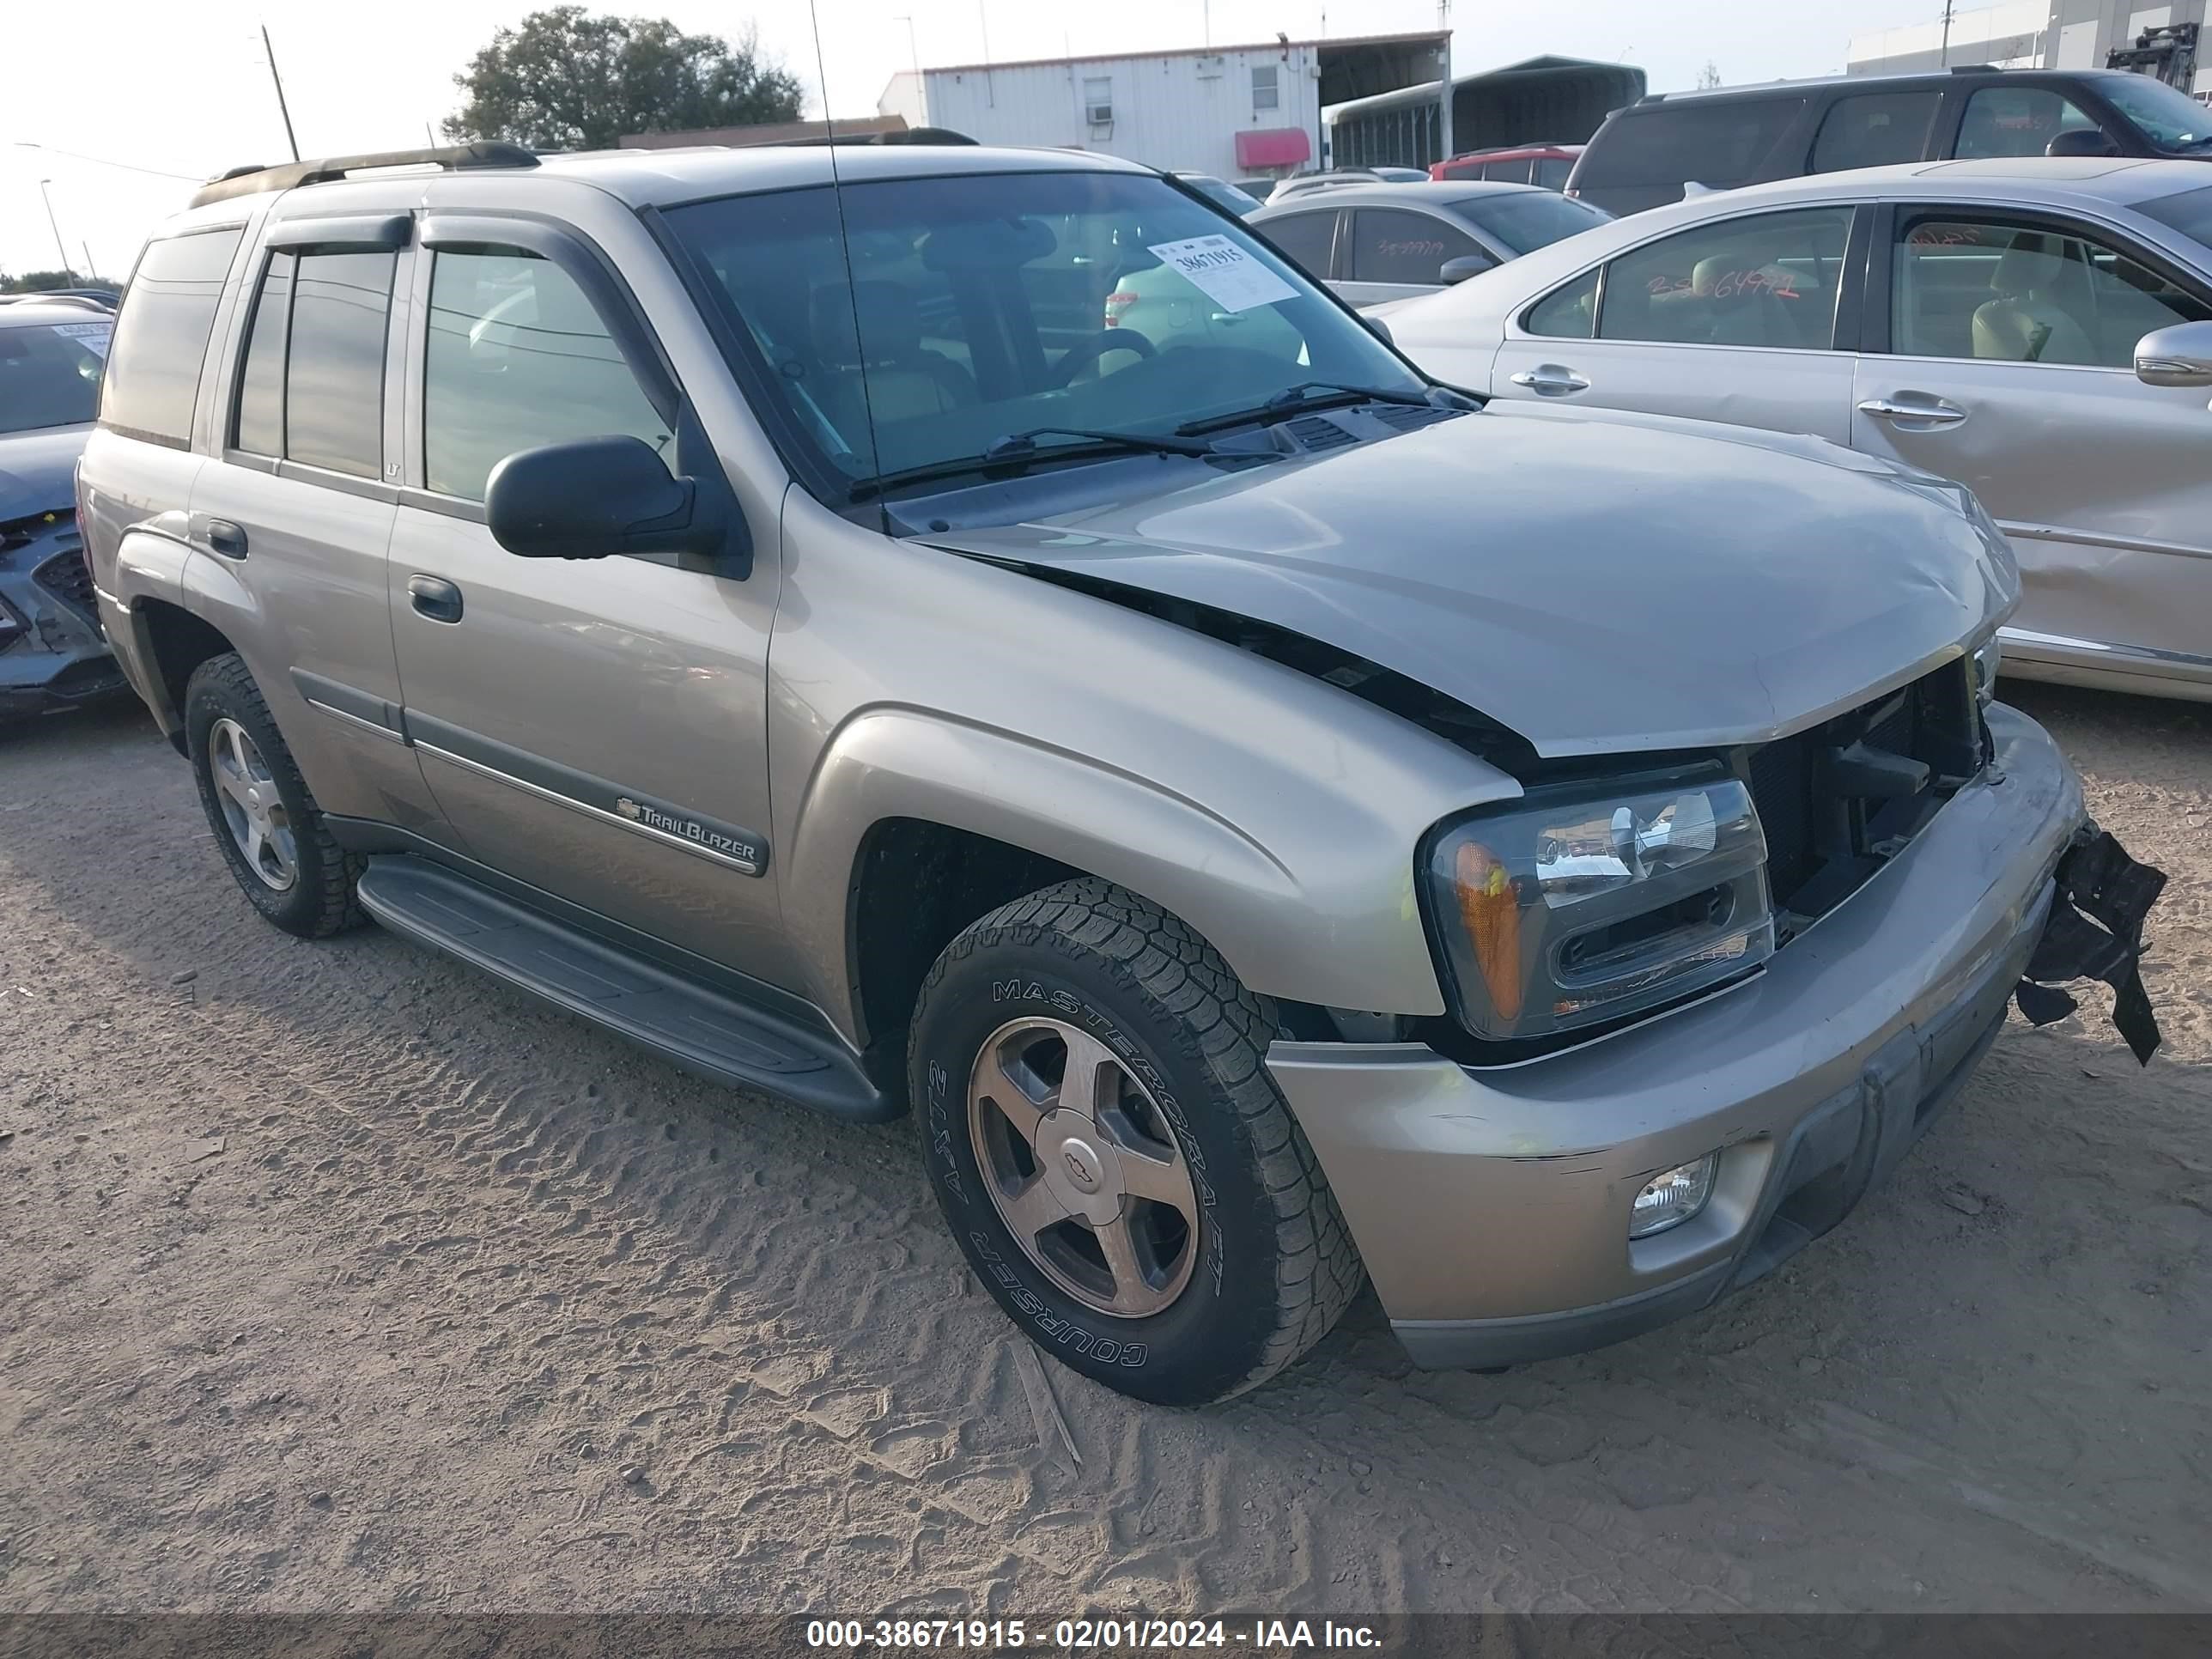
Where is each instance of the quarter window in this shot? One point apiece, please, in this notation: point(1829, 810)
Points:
point(2011, 292)
point(334, 367)
point(2017, 121)
point(517, 358)
point(1770, 280)
point(1389, 244)
point(1566, 313)
point(1874, 130)
point(153, 362)
point(261, 428)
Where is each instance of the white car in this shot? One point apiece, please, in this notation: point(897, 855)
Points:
point(2038, 329)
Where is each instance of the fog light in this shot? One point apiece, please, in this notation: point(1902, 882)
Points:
point(1669, 1199)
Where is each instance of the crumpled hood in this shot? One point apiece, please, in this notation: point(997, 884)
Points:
point(1601, 582)
point(37, 469)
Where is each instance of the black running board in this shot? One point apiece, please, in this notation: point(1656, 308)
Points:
point(704, 1031)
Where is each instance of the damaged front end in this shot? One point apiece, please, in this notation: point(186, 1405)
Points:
point(2095, 931)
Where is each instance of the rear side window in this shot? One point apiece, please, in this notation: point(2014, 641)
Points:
point(1303, 239)
point(517, 358)
point(2017, 121)
point(1507, 172)
point(334, 370)
point(1553, 172)
point(1389, 244)
point(1874, 130)
point(1708, 143)
point(162, 337)
point(1768, 280)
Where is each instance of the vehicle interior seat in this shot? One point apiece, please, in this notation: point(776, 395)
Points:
point(873, 329)
point(1755, 299)
point(2028, 322)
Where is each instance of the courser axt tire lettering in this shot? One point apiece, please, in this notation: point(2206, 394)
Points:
point(1266, 1266)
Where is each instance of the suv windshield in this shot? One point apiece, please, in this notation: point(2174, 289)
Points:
point(955, 312)
point(2172, 120)
point(1526, 222)
point(50, 373)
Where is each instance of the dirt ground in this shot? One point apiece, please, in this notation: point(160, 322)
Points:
point(337, 1277)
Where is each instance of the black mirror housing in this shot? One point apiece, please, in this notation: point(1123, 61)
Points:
point(594, 497)
point(2081, 141)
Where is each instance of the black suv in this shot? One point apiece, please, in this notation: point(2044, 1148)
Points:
point(1644, 155)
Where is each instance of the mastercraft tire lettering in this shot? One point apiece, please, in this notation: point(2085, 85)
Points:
point(1111, 1154)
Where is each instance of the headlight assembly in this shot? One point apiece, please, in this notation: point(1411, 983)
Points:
point(1585, 903)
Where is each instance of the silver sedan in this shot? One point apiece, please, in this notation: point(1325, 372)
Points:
point(1372, 243)
point(2040, 330)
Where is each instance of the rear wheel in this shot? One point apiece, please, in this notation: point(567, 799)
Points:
point(1105, 1140)
point(265, 822)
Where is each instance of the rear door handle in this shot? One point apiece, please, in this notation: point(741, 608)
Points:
point(1935, 412)
point(1551, 380)
point(225, 538)
point(435, 598)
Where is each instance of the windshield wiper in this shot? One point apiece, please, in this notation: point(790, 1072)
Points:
point(1305, 394)
point(1018, 449)
point(1025, 443)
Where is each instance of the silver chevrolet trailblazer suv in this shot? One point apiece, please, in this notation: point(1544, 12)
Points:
point(1274, 821)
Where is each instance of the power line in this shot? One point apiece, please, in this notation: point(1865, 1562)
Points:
point(101, 160)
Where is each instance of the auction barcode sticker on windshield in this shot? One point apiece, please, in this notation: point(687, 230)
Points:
point(1223, 272)
point(92, 337)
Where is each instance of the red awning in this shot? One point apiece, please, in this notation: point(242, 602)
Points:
point(1273, 146)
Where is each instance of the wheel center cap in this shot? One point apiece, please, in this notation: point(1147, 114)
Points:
point(1082, 1165)
point(1078, 1165)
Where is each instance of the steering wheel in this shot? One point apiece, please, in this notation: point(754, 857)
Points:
point(1081, 356)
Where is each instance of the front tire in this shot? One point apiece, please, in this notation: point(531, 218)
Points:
point(267, 824)
point(1108, 1148)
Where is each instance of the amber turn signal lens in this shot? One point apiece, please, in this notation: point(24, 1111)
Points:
point(1491, 910)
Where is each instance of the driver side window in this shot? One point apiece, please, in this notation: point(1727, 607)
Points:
point(518, 357)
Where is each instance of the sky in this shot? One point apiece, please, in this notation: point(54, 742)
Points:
point(185, 91)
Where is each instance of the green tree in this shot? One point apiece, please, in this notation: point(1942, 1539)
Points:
point(567, 80)
point(45, 282)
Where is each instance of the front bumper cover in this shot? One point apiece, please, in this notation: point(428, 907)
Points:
point(1492, 1205)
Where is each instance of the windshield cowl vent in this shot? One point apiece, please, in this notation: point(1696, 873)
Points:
point(1318, 432)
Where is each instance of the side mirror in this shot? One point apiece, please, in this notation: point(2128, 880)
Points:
point(597, 497)
point(1459, 270)
point(1376, 325)
point(2081, 141)
point(2180, 355)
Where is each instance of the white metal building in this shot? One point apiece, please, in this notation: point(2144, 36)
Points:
point(1234, 112)
point(2026, 34)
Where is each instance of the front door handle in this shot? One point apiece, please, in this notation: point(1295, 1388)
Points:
point(225, 538)
point(1551, 380)
point(1934, 413)
point(435, 598)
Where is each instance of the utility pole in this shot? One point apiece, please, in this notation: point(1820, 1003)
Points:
point(91, 268)
point(55, 225)
point(1950, 8)
point(983, 22)
point(282, 109)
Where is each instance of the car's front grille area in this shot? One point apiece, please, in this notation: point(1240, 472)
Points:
point(1831, 818)
point(66, 577)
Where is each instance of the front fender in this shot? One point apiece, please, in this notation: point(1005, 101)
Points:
point(1291, 919)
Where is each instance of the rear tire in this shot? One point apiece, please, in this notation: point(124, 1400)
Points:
point(268, 828)
point(1198, 1286)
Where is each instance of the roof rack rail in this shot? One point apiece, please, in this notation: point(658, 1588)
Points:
point(1976, 69)
point(47, 297)
point(253, 180)
point(909, 136)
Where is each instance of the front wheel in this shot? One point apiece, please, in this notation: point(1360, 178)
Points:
point(1111, 1153)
